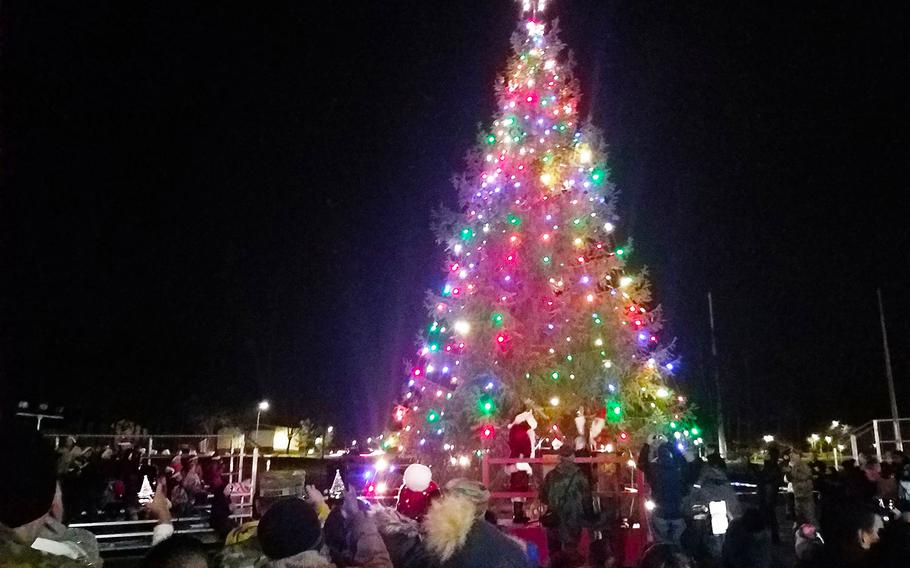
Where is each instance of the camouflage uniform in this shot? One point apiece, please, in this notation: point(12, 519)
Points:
point(16, 554)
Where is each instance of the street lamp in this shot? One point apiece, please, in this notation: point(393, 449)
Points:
point(261, 407)
point(814, 439)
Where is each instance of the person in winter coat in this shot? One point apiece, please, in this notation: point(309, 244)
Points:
point(665, 476)
point(27, 504)
point(291, 536)
point(458, 536)
point(712, 485)
point(567, 493)
point(803, 498)
point(769, 482)
point(402, 538)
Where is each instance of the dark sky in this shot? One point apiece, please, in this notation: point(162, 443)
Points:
point(205, 204)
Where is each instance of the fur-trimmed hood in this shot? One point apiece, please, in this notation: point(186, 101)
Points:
point(447, 525)
point(456, 536)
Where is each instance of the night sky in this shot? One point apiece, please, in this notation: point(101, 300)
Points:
point(206, 204)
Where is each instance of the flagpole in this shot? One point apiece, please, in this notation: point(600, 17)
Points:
point(721, 437)
point(895, 417)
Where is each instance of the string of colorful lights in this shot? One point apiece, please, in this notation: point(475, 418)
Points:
point(538, 310)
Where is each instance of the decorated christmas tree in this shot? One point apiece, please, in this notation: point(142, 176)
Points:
point(539, 310)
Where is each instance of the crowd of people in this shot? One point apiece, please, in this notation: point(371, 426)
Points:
point(102, 482)
point(856, 516)
point(697, 519)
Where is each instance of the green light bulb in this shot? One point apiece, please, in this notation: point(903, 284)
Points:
point(514, 219)
point(491, 139)
point(496, 318)
point(467, 233)
point(554, 375)
point(546, 260)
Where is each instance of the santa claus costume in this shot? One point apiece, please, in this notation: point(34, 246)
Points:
point(521, 445)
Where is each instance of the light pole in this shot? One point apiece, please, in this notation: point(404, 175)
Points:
point(262, 407)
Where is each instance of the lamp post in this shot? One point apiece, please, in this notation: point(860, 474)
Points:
point(262, 407)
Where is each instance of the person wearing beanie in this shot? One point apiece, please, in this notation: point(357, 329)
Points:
point(291, 536)
point(458, 536)
point(27, 496)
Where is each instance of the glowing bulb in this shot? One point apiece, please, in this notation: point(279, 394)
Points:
point(554, 401)
point(546, 179)
point(625, 281)
point(662, 393)
point(381, 464)
point(589, 297)
point(462, 327)
point(608, 227)
point(598, 342)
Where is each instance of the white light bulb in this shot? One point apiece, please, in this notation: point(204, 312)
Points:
point(462, 327)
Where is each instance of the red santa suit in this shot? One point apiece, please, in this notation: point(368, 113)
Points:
point(521, 445)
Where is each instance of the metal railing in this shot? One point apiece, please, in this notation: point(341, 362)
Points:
point(136, 534)
point(879, 436)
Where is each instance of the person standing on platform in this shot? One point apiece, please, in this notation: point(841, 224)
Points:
point(567, 495)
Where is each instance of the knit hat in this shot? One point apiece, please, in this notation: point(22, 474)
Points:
point(289, 527)
point(26, 492)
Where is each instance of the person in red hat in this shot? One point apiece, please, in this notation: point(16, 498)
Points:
point(417, 491)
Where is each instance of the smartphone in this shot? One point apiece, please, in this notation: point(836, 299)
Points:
point(147, 490)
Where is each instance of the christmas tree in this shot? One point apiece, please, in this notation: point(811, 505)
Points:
point(538, 311)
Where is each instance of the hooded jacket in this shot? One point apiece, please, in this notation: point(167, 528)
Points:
point(457, 538)
point(713, 485)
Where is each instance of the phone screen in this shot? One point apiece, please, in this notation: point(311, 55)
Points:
point(147, 490)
